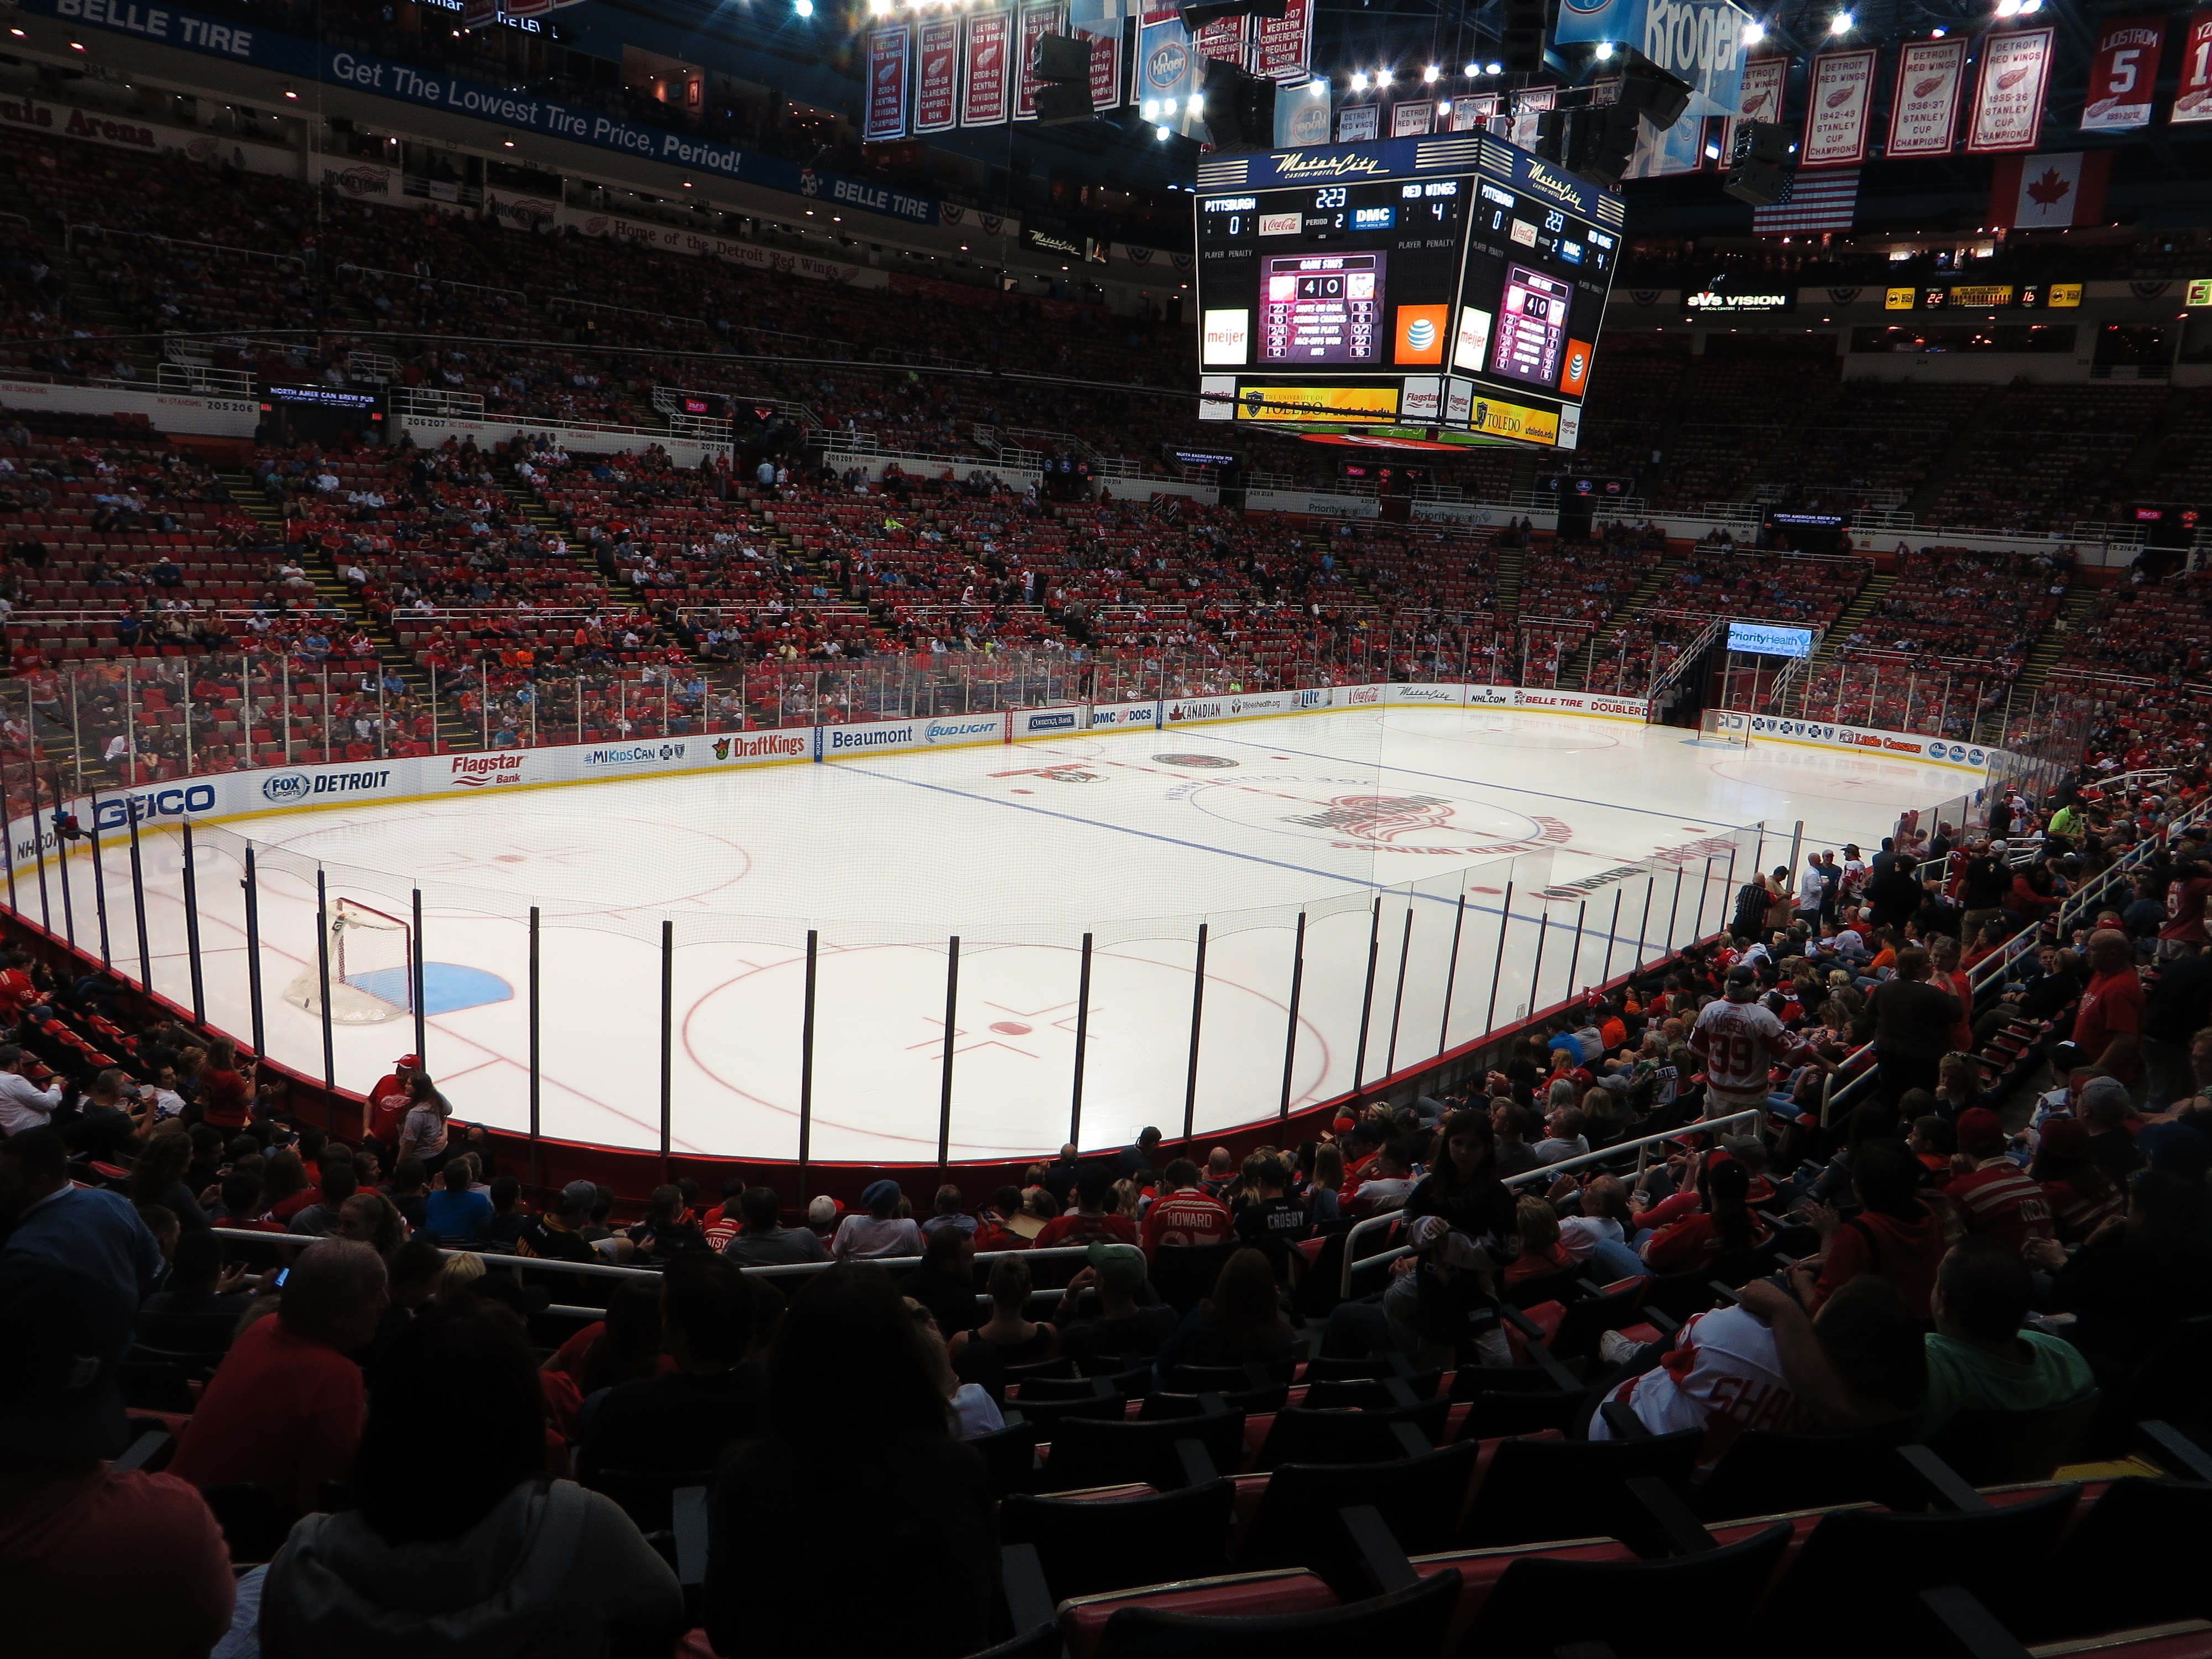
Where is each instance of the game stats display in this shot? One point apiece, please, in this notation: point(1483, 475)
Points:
point(1469, 301)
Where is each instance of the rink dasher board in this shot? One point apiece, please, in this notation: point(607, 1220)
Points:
point(237, 797)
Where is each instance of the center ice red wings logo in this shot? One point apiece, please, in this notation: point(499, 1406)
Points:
point(1379, 817)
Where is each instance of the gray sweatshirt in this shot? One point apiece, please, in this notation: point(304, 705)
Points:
point(544, 1575)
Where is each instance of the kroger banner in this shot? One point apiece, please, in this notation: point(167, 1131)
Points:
point(310, 60)
point(1168, 72)
point(1700, 40)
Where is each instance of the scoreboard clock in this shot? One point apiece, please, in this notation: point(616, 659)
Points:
point(1452, 284)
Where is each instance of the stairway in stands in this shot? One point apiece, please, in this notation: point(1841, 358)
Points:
point(334, 597)
point(2050, 644)
point(1857, 611)
point(1655, 582)
point(1922, 501)
point(1512, 565)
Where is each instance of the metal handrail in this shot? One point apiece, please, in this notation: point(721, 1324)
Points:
point(1998, 965)
point(1369, 1224)
point(607, 1270)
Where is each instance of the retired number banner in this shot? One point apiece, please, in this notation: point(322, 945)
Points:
point(1837, 110)
point(2192, 100)
point(984, 98)
point(2123, 74)
point(1924, 112)
point(2015, 71)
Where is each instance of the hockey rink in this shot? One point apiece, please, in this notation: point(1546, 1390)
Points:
point(1485, 862)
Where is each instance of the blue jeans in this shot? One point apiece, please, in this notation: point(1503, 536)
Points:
point(1615, 1261)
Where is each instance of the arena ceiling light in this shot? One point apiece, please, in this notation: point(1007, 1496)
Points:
point(1602, 51)
point(1841, 23)
point(802, 8)
point(1382, 78)
point(1430, 75)
point(1753, 33)
point(1360, 80)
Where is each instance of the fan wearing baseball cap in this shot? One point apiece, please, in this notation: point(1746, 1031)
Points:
point(73, 1530)
point(388, 1100)
point(1994, 1197)
point(1739, 1039)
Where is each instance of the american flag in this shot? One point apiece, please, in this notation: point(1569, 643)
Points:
point(1816, 201)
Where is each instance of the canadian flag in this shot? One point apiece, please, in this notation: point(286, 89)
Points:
point(2052, 192)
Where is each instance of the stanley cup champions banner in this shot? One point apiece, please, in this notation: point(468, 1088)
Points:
point(1924, 111)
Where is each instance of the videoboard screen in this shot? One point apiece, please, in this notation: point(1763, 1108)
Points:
point(1355, 276)
point(1453, 282)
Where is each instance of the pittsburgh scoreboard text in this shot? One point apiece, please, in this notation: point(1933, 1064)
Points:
point(1452, 283)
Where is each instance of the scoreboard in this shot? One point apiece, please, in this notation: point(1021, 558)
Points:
point(1448, 289)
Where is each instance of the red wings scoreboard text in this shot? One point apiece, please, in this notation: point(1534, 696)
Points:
point(1466, 296)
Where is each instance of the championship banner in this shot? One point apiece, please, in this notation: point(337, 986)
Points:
point(2015, 71)
point(884, 114)
point(1357, 124)
point(1039, 19)
point(1222, 40)
point(937, 75)
point(984, 98)
point(1282, 47)
point(2193, 98)
point(1527, 107)
point(1838, 107)
point(1760, 100)
point(1415, 118)
point(1470, 113)
point(1923, 114)
point(2123, 74)
point(1106, 77)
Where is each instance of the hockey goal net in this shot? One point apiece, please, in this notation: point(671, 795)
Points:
point(1724, 726)
point(372, 967)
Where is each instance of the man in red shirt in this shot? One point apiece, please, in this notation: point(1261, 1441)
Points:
point(1089, 1221)
point(2108, 1030)
point(388, 1101)
point(2184, 910)
point(283, 1412)
point(1992, 1195)
point(1184, 1214)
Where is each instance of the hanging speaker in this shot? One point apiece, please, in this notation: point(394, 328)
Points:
point(1240, 108)
point(1062, 57)
point(1061, 102)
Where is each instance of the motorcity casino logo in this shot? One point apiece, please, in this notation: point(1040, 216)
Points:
point(284, 788)
point(1201, 763)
